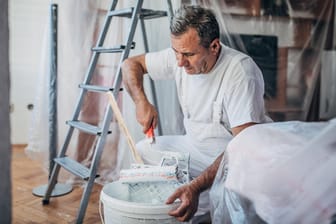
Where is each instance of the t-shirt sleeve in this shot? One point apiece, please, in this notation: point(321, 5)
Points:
point(244, 101)
point(161, 64)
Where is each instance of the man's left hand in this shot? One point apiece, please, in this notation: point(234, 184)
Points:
point(189, 195)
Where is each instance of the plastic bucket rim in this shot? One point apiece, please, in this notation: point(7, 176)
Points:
point(136, 207)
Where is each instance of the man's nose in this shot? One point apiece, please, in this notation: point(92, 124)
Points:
point(181, 60)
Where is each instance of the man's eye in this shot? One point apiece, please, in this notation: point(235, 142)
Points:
point(184, 54)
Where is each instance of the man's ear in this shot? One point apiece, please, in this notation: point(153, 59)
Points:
point(215, 46)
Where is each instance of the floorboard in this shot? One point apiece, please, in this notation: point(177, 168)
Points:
point(28, 174)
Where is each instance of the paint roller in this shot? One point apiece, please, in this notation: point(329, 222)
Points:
point(139, 172)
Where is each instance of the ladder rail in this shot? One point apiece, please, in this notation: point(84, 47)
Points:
point(56, 168)
point(170, 9)
point(100, 43)
point(134, 21)
point(95, 57)
point(94, 167)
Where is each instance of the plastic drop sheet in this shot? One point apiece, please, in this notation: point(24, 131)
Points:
point(281, 172)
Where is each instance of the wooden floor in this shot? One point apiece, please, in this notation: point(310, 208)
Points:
point(27, 174)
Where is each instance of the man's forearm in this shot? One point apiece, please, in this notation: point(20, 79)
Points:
point(205, 180)
point(133, 81)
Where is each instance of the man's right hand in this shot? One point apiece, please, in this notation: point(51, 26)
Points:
point(146, 115)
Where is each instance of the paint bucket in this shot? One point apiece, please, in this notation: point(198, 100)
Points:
point(122, 206)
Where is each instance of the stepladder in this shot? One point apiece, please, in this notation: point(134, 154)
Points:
point(136, 15)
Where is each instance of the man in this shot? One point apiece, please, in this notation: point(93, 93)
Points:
point(220, 91)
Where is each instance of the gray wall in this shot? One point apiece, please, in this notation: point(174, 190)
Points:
point(5, 144)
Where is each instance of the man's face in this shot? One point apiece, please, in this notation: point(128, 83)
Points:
point(193, 57)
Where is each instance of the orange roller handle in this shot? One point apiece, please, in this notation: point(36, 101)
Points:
point(150, 134)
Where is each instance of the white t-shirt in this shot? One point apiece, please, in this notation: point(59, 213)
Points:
point(231, 94)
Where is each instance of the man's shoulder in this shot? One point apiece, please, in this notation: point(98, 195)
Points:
point(232, 54)
point(161, 64)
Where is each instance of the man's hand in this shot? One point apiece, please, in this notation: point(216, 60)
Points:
point(146, 115)
point(189, 195)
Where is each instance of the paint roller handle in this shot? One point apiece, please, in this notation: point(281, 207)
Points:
point(150, 134)
point(123, 127)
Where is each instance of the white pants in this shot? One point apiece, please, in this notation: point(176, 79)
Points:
point(202, 154)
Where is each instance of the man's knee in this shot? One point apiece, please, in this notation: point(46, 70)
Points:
point(149, 154)
point(141, 146)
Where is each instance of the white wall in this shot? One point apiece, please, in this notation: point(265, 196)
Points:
point(27, 21)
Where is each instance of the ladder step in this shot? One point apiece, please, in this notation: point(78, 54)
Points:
point(85, 127)
point(95, 88)
point(144, 14)
point(107, 50)
point(74, 167)
point(117, 49)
